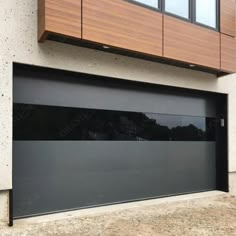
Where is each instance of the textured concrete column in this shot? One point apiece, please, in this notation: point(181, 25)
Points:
point(232, 183)
point(4, 207)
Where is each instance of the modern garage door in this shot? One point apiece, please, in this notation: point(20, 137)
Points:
point(81, 142)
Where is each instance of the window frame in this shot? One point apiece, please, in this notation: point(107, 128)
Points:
point(192, 12)
point(178, 16)
point(158, 9)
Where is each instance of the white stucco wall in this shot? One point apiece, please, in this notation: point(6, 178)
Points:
point(18, 43)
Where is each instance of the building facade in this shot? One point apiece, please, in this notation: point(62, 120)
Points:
point(114, 101)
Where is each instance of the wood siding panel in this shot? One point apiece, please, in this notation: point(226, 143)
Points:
point(235, 19)
point(42, 34)
point(124, 25)
point(227, 17)
point(228, 53)
point(191, 43)
point(63, 17)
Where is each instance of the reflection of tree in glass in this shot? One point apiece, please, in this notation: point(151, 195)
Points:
point(114, 125)
point(189, 132)
point(65, 123)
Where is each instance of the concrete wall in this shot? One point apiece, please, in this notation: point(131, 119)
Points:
point(3, 207)
point(18, 43)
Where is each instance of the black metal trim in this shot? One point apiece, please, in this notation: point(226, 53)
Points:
point(10, 223)
point(222, 169)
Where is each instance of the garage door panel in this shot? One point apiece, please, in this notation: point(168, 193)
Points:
point(59, 175)
point(193, 165)
point(69, 92)
point(81, 142)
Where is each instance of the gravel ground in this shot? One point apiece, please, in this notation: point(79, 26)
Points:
point(211, 216)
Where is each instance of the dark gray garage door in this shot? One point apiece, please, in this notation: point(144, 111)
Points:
point(84, 142)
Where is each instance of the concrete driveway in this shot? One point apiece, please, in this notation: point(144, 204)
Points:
point(211, 213)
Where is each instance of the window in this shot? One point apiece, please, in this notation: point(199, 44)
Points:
point(206, 12)
point(151, 3)
point(178, 7)
point(40, 122)
point(201, 12)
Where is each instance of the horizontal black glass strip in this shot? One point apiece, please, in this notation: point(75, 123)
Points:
point(40, 122)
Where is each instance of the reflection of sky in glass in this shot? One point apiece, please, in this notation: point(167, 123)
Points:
point(178, 7)
point(173, 121)
point(206, 12)
point(152, 3)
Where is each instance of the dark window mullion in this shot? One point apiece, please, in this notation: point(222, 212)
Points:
point(190, 10)
point(218, 15)
point(193, 11)
point(162, 2)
